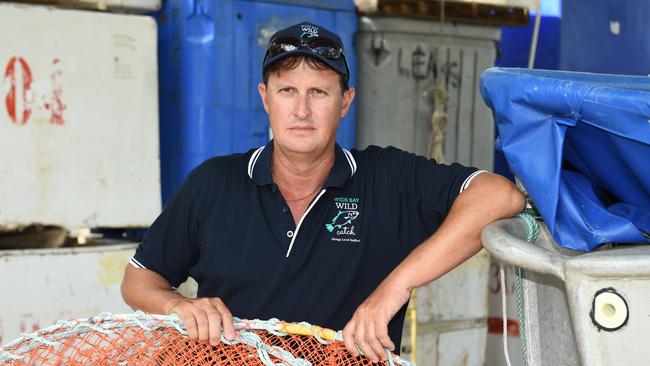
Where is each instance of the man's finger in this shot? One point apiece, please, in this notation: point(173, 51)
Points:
point(382, 335)
point(373, 342)
point(348, 338)
point(360, 340)
point(226, 322)
point(190, 324)
point(202, 325)
point(214, 327)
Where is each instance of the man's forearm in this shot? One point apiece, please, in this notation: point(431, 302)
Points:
point(146, 290)
point(203, 318)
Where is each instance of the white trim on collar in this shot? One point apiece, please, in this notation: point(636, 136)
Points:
point(351, 161)
point(251, 162)
point(256, 154)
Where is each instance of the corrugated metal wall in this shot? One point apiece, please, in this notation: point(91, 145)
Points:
point(397, 69)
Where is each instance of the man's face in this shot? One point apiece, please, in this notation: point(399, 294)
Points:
point(305, 106)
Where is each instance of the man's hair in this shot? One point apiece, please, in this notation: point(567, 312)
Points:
point(291, 63)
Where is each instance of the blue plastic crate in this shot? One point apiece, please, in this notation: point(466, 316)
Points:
point(210, 56)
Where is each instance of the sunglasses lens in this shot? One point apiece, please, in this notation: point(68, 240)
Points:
point(319, 46)
point(325, 48)
point(282, 45)
point(327, 52)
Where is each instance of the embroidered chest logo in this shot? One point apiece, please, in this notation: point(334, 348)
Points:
point(342, 224)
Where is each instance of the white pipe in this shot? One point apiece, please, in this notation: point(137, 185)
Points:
point(533, 43)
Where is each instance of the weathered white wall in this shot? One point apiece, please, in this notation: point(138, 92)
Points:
point(78, 118)
point(41, 286)
point(452, 317)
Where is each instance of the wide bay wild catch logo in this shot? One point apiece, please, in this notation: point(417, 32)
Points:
point(347, 210)
point(309, 31)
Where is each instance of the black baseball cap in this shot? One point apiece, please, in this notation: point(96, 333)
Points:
point(307, 39)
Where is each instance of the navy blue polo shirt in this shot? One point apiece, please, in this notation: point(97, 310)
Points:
point(229, 227)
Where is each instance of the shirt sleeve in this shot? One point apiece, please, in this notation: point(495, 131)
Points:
point(427, 191)
point(170, 245)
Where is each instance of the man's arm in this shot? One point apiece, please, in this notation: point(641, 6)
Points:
point(146, 290)
point(488, 198)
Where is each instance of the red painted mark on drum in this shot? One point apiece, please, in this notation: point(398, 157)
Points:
point(57, 106)
point(495, 326)
point(19, 76)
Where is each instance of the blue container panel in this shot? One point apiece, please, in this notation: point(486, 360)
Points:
point(606, 36)
point(514, 46)
point(210, 55)
point(257, 21)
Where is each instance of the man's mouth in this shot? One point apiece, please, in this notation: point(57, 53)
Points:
point(302, 128)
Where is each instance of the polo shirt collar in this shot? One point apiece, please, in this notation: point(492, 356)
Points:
point(259, 166)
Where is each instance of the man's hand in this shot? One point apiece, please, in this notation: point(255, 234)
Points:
point(489, 197)
point(204, 318)
point(368, 328)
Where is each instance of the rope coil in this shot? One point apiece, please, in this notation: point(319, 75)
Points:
point(521, 293)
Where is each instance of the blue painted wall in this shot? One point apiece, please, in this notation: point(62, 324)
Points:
point(210, 55)
point(606, 36)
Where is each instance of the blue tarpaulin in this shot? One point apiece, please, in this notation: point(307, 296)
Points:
point(580, 144)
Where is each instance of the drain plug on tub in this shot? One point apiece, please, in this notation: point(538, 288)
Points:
point(609, 310)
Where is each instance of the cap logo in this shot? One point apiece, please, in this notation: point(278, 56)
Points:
point(309, 31)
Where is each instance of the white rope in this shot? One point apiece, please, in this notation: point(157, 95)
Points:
point(106, 323)
point(521, 292)
point(4, 355)
point(264, 350)
point(439, 118)
point(533, 232)
point(502, 279)
point(533, 42)
point(141, 325)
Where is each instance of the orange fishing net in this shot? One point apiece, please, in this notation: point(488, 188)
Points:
point(141, 339)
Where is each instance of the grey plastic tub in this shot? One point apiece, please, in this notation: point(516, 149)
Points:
point(579, 308)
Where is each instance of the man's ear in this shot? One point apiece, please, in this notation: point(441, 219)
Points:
point(348, 97)
point(261, 87)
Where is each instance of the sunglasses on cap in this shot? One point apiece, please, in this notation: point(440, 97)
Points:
point(317, 45)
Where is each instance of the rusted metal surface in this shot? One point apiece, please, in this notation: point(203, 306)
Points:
point(140, 6)
point(456, 11)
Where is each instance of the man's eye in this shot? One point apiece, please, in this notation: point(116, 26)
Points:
point(286, 90)
point(319, 92)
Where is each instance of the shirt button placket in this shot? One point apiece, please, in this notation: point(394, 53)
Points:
point(285, 209)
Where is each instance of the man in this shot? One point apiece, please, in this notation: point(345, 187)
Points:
point(303, 230)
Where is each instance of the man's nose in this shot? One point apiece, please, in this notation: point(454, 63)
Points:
point(303, 110)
